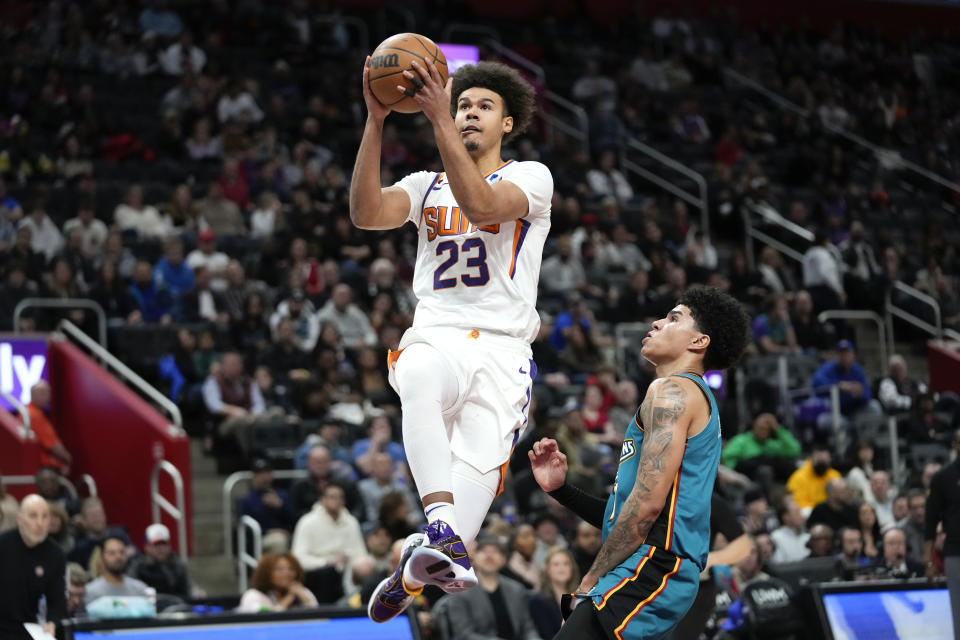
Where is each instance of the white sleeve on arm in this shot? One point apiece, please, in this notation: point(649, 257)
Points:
point(416, 186)
point(536, 182)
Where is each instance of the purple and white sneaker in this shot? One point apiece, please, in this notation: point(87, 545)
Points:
point(392, 596)
point(442, 561)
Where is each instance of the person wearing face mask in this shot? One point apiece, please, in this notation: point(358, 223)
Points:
point(808, 484)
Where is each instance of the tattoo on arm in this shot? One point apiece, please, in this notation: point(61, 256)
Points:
point(661, 420)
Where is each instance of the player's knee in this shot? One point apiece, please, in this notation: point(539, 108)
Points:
point(416, 370)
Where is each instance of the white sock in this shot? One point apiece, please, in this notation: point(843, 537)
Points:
point(444, 511)
point(435, 511)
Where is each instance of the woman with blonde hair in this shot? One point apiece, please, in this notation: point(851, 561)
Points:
point(276, 585)
point(560, 575)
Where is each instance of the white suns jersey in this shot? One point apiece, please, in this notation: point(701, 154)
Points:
point(479, 277)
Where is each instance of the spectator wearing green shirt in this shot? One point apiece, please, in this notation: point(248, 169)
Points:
point(766, 444)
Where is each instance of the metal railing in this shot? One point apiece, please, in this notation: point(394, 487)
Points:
point(128, 374)
point(698, 200)
point(851, 314)
point(158, 502)
point(248, 560)
point(25, 430)
point(894, 449)
point(579, 130)
point(936, 329)
point(877, 150)
point(91, 484)
point(64, 482)
point(772, 216)
point(231, 483)
point(63, 303)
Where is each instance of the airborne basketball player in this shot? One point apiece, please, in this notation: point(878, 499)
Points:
point(464, 370)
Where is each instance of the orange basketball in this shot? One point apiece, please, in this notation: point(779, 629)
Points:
point(391, 58)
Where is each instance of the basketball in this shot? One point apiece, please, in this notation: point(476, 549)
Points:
point(391, 58)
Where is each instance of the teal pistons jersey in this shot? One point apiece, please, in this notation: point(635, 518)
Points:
point(683, 527)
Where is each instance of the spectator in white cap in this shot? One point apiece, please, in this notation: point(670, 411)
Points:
point(158, 566)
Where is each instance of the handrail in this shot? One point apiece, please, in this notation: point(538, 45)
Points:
point(157, 502)
point(840, 434)
point(937, 328)
point(64, 303)
point(580, 131)
point(701, 202)
point(852, 314)
point(768, 240)
point(951, 334)
point(126, 372)
point(91, 484)
point(231, 482)
point(876, 149)
point(894, 449)
point(772, 216)
point(29, 480)
point(894, 311)
point(26, 432)
point(245, 559)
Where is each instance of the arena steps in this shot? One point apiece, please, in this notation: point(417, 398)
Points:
point(214, 574)
point(210, 567)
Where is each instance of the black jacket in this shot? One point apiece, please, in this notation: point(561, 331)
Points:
point(26, 574)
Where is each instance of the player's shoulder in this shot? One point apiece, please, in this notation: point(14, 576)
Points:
point(531, 167)
point(418, 179)
point(677, 388)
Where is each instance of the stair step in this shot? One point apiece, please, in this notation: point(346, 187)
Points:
point(215, 574)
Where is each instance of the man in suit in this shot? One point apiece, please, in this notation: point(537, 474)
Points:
point(896, 562)
point(203, 303)
point(498, 609)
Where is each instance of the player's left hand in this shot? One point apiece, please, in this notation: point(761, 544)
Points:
point(433, 96)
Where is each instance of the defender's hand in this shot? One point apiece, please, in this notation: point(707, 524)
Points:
point(548, 463)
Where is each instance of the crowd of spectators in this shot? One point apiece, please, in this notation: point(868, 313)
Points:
point(186, 167)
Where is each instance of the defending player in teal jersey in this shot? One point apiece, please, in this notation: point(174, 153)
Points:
point(656, 523)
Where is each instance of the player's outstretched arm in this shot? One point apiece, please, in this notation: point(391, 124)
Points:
point(372, 207)
point(666, 419)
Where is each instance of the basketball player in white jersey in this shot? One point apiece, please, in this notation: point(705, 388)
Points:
point(464, 369)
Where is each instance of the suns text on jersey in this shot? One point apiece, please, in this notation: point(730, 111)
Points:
point(450, 221)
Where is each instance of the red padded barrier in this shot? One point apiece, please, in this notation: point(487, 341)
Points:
point(18, 456)
point(116, 437)
point(944, 366)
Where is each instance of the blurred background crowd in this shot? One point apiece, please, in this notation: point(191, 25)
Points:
point(186, 165)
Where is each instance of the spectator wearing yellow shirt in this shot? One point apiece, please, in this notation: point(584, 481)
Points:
point(808, 484)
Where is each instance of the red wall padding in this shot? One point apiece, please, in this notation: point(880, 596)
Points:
point(944, 366)
point(116, 437)
point(18, 457)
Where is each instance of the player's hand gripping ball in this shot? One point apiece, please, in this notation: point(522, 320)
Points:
point(391, 58)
